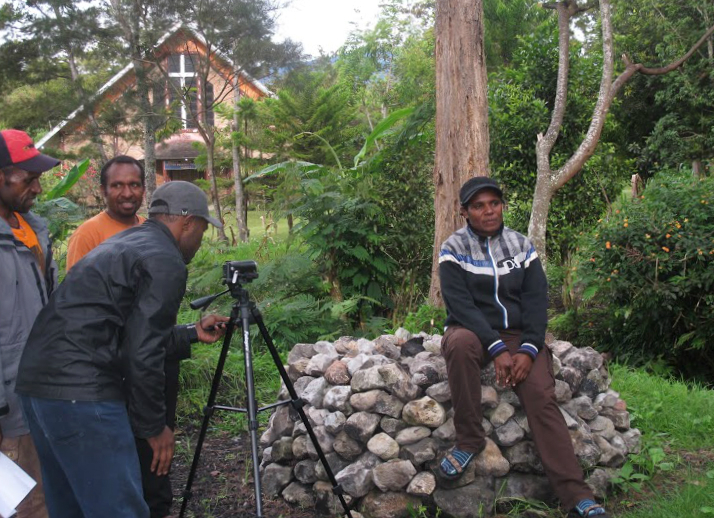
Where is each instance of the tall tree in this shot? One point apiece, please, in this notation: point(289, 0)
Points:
point(461, 115)
point(549, 180)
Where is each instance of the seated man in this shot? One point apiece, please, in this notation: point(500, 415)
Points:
point(496, 297)
point(92, 374)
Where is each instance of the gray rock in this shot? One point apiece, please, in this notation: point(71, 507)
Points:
point(563, 393)
point(300, 449)
point(446, 432)
point(393, 475)
point(338, 399)
point(433, 345)
point(324, 439)
point(570, 421)
point(356, 363)
point(527, 486)
point(584, 359)
point(301, 351)
point(365, 401)
point(412, 435)
point(347, 447)
point(334, 422)
point(413, 347)
point(422, 485)
point(439, 392)
point(402, 334)
point(282, 450)
point(317, 416)
point(586, 450)
point(336, 463)
point(501, 414)
point(603, 427)
point(490, 462)
point(609, 456)
point(572, 376)
point(487, 427)
point(424, 412)
point(388, 505)
point(361, 425)
point(620, 418)
point(398, 382)
point(326, 348)
point(314, 393)
point(319, 363)
point(392, 426)
point(367, 379)
point(346, 345)
point(305, 471)
point(299, 494)
point(383, 446)
point(376, 360)
point(301, 384)
point(388, 405)
point(524, 457)
point(560, 348)
point(510, 397)
point(557, 365)
point(509, 434)
point(599, 481)
point(489, 397)
point(606, 400)
point(582, 407)
point(618, 442)
point(356, 479)
point(298, 368)
point(522, 421)
point(472, 501)
point(419, 452)
point(366, 346)
point(386, 345)
point(275, 478)
point(338, 374)
point(632, 439)
point(426, 371)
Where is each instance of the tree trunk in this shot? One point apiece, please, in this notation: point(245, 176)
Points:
point(461, 116)
point(210, 169)
point(237, 179)
point(148, 129)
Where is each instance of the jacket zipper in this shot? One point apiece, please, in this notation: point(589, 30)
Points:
point(495, 282)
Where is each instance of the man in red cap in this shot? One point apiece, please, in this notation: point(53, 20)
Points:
point(27, 277)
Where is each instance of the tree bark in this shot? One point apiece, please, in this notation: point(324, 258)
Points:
point(237, 178)
point(462, 140)
point(210, 169)
point(549, 181)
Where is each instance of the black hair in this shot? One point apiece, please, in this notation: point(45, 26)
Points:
point(121, 159)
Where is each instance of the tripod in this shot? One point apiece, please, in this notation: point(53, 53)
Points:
point(243, 314)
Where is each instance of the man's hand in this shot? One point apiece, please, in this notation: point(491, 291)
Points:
point(211, 328)
point(163, 446)
point(522, 364)
point(504, 366)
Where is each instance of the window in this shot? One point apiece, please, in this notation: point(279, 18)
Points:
point(182, 75)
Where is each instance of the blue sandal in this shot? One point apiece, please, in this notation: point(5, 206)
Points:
point(454, 463)
point(590, 509)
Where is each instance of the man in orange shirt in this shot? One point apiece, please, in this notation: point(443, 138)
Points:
point(122, 186)
point(27, 277)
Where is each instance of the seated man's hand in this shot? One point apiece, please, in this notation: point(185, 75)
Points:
point(211, 328)
point(504, 365)
point(163, 446)
point(522, 364)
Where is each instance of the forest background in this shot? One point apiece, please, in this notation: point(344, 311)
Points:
point(341, 212)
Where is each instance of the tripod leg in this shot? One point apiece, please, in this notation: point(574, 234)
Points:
point(252, 406)
point(336, 488)
point(208, 409)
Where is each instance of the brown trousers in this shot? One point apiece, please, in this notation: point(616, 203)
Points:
point(465, 357)
point(21, 450)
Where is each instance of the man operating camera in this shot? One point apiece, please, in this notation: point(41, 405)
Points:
point(92, 374)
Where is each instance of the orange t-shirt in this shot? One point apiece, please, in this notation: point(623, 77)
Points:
point(92, 232)
point(27, 237)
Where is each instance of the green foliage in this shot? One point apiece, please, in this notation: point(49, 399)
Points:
point(427, 318)
point(649, 267)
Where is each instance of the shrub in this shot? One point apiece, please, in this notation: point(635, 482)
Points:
point(648, 272)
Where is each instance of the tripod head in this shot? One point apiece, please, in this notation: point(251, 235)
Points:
point(235, 275)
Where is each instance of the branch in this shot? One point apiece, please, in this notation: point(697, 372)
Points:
point(632, 68)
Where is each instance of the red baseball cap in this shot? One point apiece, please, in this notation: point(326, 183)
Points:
point(17, 149)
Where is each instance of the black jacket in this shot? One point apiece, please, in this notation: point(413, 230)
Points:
point(490, 284)
point(106, 331)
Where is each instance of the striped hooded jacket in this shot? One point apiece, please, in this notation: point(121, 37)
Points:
point(490, 284)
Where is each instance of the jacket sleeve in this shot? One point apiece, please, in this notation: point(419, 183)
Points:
point(461, 307)
point(159, 283)
point(534, 304)
point(179, 345)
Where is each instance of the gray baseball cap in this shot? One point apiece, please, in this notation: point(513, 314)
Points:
point(181, 199)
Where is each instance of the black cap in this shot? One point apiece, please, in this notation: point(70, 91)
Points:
point(475, 185)
point(181, 199)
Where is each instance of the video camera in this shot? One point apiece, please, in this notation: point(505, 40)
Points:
point(236, 273)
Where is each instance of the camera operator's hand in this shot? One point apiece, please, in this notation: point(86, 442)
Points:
point(211, 328)
point(163, 446)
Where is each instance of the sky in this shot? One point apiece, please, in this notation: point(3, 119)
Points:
point(325, 24)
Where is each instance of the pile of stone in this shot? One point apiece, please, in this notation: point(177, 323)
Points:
point(382, 414)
